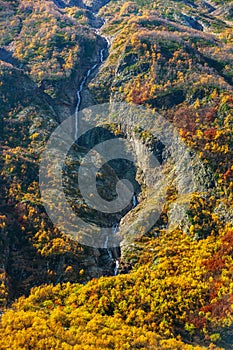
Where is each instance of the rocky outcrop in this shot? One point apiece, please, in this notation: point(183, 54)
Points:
point(68, 3)
point(207, 6)
point(95, 5)
point(180, 171)
point(192, 22)
point(6, 56)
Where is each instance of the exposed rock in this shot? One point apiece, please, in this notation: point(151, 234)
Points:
point(207, 6)
point(127, 61)
point(169, 100)
point(68, 3)
point(224, 11)
point(95, 5)
point(7, 57)
point(181, 170)
point(192, 22)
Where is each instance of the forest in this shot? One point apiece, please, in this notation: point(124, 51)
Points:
point(174, 286)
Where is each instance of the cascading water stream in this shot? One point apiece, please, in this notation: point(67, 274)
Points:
point(117, 264)
point(115, 227)
point(135, 200)
point(79, 93)
point(80, 89)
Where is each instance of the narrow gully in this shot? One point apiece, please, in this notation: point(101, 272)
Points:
point(79, 98)
point(102, 57)
point(84, 80)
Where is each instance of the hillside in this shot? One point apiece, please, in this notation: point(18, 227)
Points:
point(170, 62)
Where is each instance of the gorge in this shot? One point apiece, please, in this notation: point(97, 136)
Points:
point(155, 79)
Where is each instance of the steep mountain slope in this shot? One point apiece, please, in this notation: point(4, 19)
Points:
point(175, 290)
point(186, 76)
point(45, 52)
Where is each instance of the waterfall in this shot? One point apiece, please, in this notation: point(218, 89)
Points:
point(117, 264)
point(108, 250)
point(106, 243)
point(80, 89)
point(101, 55)
point(135, 200)
point(115, 228)
point(110, 254)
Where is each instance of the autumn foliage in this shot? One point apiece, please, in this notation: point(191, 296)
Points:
point(178, 290)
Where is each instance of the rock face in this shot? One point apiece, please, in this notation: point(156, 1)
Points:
point(208, 6)
point(178, 170)
point(68, 3)
point(7, 56)
point(95, 5)
point(192, 22)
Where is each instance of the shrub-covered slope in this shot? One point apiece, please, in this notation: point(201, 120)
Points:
point(45, 52)
point(174, 57)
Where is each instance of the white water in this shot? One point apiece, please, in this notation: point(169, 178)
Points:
point(110, 254)
point(106, 243)
point(115, 227)
point(80, 89)
point(135, 201)
point(117, 264)
point(108, 250)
